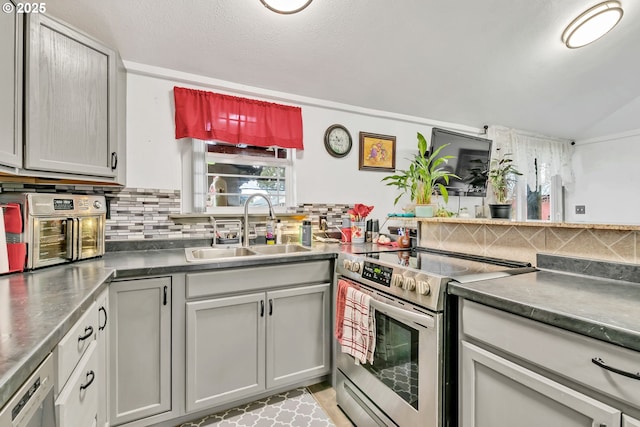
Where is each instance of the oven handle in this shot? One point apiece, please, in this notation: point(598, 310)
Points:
point(71, 238)
point(402, 314)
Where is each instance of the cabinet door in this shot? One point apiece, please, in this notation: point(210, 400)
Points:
point(629, 422)
point(496, 392)
point(102, 340)
point(225, 349)
point(77, 403)
point(139, 348)
point(11, 88)
point(69, 101)
point(298, 334)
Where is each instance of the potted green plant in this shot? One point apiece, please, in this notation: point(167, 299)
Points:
point(424, 178)
point(502, 177)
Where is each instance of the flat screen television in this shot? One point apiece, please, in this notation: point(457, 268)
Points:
point(471, 161)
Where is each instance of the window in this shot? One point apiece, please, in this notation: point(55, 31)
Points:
point(545, 166)
point(232, 173)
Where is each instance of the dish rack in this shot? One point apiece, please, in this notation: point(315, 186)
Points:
point(227, 232)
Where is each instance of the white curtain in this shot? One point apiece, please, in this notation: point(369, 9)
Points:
point(553, 155)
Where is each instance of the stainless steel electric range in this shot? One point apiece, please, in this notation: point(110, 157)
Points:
point(411, 379)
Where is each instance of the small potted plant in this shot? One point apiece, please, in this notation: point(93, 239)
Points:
point(423, 178)
point(502, 177)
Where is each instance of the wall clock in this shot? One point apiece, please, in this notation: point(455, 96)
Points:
point(337, 141)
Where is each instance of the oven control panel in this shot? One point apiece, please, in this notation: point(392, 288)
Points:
point(377, 273)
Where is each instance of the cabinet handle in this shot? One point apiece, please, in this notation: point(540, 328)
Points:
point(90, 377)
point(88, 331)
point(164, 297)
point(104, 311)
point(261, 308)
point(603, 365)
point(270, 307)
point(114, 160)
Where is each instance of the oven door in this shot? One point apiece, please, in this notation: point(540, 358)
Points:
point(405, 379)
point(90, 236)
point(52, 241)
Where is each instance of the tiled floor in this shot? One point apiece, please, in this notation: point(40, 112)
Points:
point(325, 395)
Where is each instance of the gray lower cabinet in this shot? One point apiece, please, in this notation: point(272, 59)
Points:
point(239, 346)
point(140, 349)
point(499, 393)
point(630, 422)
point(298, 334)
point(515, 371)
point(11, 88)
point(70, 101)
point(102, 338)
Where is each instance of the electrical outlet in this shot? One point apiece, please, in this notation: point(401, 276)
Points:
point(580, 209)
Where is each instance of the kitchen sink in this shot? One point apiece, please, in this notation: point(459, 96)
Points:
point(208, 254)
point(278, 249)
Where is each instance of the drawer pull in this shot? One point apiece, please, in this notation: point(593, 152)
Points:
point(104, 310)
point(90, 377)
point(603, 365)
point(88, 332)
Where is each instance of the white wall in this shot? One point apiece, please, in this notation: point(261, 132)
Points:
point(607, 178)
point(154, 156)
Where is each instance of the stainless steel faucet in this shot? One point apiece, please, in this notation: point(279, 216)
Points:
point(245, 225)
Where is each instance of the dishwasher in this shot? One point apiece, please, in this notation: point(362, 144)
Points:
point(33, 404)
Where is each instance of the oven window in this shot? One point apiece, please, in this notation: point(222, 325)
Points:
point(89, 237)
point(395, 360)
point(53, 239)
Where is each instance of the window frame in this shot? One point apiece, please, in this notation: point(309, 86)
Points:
point(287, 163)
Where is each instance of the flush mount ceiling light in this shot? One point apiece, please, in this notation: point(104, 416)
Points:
point(286, 7)
point(592, 24)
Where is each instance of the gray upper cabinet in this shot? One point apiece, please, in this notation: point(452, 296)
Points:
point(70, 101)
point(11, 89)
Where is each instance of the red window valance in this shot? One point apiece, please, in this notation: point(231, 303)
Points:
point(213, 116)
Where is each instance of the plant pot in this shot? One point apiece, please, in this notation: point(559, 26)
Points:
point(502, 211)
point(424, 211)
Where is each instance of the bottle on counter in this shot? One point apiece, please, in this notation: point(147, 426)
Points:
point(278, 232)
point(305, 233)
point(271, 237)
point(346, 229)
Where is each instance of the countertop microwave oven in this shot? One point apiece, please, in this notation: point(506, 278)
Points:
point(44, 229)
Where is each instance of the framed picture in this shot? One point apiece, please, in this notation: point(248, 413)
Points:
point(377, 152)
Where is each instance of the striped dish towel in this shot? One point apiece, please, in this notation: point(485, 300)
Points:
point(358, 330)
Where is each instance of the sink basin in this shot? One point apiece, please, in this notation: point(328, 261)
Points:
point(278, 249)
point(208, 254)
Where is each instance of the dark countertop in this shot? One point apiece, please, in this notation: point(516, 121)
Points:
point(38, 308)
point(601, 308)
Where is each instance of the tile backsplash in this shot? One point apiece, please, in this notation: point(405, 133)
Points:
point(142, 213)
point(522, 243)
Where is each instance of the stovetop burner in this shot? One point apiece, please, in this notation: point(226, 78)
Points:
point(419, 275)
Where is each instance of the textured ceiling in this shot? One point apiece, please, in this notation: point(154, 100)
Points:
point(464, 61)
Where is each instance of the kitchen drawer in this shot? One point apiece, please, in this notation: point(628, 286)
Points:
point(567, 354)
point(251, 279)
point(77, 404)
point(75, 343)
